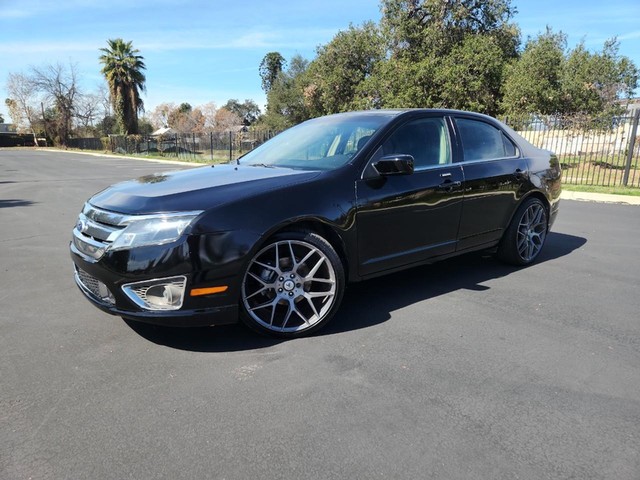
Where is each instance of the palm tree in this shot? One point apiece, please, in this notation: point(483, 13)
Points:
point(123, 71)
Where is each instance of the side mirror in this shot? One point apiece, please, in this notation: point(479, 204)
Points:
point(394, 165)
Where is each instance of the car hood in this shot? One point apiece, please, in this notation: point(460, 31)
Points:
point(195, 189)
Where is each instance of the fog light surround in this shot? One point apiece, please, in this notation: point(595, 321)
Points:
point(157, 294)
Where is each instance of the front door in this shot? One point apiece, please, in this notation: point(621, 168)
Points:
point(406, 219)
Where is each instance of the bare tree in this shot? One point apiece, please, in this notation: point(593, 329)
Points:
point(227, 120)
point(88, 109)
point(105, 100)
point(160, 115)
point(60, 87)
point(23, 103)
point(209, 111)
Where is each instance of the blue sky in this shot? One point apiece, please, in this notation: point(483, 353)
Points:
point(201, 51)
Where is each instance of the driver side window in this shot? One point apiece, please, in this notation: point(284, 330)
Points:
point(425, 139)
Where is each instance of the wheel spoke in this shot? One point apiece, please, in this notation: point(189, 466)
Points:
point(315, 268)
point(287, 317)
point(257, 292)
point(322, 280)
point(257, 278)
point(264, 265)
point(313, 307)
point(273, 313)
point(538, 218)
point(306, 257)
point(319, 294)
point(263, 305)
point(294, 264)
point(277, 257)
point(301, 315)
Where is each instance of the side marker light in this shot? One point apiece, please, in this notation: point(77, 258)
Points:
point(197, 292)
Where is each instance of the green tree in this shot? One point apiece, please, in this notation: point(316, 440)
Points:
point(285, 101)
point(340, 67)
point(107, 126)
point(272, 64)
point(470, 77)
point(123, 70)
point(248, 111)
point(533, 82)
point(549, 79)
point(593, 82)
point(416, 27)
point(443, 53)
point(144, 126)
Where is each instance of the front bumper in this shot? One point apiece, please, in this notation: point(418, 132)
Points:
point(101, 282)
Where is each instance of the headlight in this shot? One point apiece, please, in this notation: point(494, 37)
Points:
point(151, 230)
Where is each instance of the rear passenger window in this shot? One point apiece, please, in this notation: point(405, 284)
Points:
point(482, 141)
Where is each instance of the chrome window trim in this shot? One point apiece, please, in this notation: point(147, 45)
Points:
point(455, 118)
point(496, 159)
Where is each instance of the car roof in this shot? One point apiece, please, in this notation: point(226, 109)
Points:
point(393, 112)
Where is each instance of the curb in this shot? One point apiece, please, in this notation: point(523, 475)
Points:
point(600, 197)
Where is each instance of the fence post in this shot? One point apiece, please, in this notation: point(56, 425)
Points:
point(632, 146)
point(211, 144)
point(230, 146)
point(176, 137)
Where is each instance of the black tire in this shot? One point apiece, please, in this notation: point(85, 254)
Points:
point(523, 240)
point(293, 286)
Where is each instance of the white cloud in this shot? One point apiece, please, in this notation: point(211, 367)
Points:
point(629, 35)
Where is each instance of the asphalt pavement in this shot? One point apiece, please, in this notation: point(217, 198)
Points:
point(467, 369)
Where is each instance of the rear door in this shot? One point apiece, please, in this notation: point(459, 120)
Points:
point(495, 174)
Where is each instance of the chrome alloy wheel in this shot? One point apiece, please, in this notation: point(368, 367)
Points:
point(289, 286)
point(532, 231)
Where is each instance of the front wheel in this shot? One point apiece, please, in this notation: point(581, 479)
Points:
point(293, 286)
point(523, 240)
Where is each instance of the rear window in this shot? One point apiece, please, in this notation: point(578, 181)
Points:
point(482, 141)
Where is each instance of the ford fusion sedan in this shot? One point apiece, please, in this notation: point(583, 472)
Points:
point(273, 239)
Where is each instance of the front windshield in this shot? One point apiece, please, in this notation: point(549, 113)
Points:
point(320, 144)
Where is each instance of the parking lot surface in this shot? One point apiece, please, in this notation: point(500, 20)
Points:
point(467, 369)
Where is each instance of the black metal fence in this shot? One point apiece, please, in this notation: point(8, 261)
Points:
point(17, 140)
point(601, 151)
point(207, 147)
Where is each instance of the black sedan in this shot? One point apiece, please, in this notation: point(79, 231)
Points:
point(274, 238)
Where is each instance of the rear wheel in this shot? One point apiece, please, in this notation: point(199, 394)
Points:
point(523, 240)
point(293, 286)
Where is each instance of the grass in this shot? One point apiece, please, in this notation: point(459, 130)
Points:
point(219, 156)
point(633, 191)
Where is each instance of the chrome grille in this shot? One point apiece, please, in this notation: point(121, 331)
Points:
point(96, 229)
